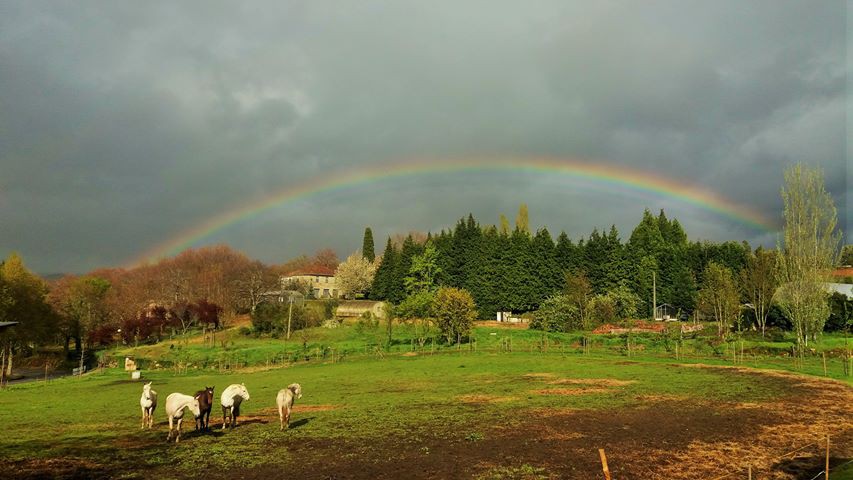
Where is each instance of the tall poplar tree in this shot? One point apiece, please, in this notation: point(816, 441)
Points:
point(809, 251)
point(522, 221)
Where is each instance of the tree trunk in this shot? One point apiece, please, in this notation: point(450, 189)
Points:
point(2, 365)
point(8, 361)
point(82, 359)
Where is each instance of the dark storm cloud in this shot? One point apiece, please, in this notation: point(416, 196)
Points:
point(121, 124)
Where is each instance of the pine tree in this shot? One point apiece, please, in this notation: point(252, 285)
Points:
point(568, 254)
point(546, 271)
point(384, 277)
point(397, 290)
point(367, 249)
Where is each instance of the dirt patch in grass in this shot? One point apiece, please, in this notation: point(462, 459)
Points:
point(664, 437)
point(600, 382)
point(484, 399)
point(314, 408)
point(667, 437)
point(538, 376)
point(58, 468)
point(571, 391)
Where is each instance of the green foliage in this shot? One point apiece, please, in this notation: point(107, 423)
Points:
point(455, 312)
point(809, 252)
point(367, 248)
point(602, 309)
point(417, 305)
point(383, 281)
point(424, 271)
point(366, 323)
point(268, 316)
point(846, 257)
point(719, 297)
point(624, 302)
point(558, 313)
point(271, 317)
point(578, 291)
point(25, 302)
point(841, 313)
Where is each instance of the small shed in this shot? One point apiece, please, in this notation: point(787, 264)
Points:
point(357, 308)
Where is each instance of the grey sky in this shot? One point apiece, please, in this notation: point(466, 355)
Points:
point(124, 123)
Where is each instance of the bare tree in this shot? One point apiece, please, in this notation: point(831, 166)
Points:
point(809, 252)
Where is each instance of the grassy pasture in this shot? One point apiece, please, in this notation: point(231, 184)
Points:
point(233, 349)
point(450, 415)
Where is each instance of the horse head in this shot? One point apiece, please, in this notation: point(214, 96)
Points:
point(296, 389)
point(195, 407)
point(241, 390)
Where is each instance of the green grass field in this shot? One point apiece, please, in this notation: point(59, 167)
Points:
point(232, 349)
point(540, 411)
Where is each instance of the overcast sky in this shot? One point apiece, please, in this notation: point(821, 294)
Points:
point(124, 123)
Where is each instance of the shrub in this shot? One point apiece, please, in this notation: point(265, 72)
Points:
point(416, 305)
point(602, 309)
point(557, 314)
point(455, 312)
point(268, 316)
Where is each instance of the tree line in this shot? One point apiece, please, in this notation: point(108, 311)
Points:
point(573, 285)
point(517, 270)
point(196, 288)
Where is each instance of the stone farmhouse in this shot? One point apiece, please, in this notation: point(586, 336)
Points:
point(321, 281)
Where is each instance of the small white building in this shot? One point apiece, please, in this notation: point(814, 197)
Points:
point(509, 318)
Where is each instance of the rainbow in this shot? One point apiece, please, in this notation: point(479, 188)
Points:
point(615, 176)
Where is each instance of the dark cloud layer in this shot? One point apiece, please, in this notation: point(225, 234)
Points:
point(123, 123)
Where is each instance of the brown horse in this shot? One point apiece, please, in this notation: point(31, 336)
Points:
point(205, 403)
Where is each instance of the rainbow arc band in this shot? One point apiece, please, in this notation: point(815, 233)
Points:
point(597, 172)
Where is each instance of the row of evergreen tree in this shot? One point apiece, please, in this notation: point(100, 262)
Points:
point(517, 270)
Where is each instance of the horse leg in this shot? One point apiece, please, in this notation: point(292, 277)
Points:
point(287, 418)
point(144, 418)
point(281, 418)
point(178, 438)
point(169, 435)
point(224, 409)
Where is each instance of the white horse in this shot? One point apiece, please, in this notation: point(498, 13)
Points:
point(285, 399)
point(231, 399)
point(175, 405)
point(148, 402)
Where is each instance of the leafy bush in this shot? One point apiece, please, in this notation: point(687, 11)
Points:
point(366, 323)
point(455, 312)
point(557, 314)
point(416, 305)
point(602, 309)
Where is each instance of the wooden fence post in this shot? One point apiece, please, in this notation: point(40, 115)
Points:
point(604, 463)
